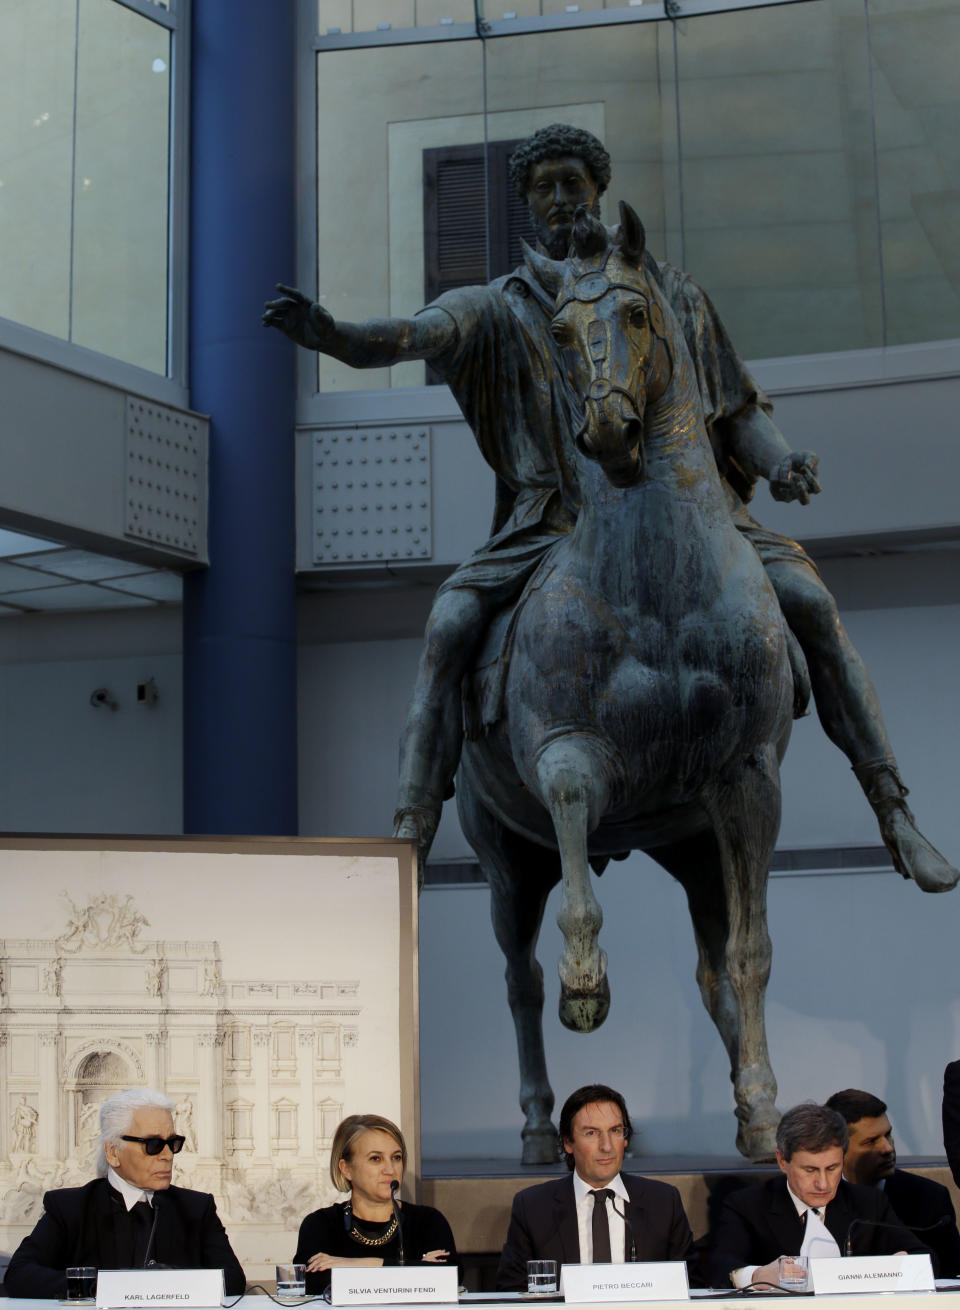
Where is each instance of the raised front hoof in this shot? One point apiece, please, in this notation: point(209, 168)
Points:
point(914, 856)
point(583, 1012)
point(757, 1139)
point(539, 1145)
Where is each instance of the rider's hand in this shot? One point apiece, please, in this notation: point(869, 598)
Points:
point(795, 478)
point(299, 318)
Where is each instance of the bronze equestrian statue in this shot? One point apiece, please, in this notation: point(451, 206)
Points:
point(494, 347)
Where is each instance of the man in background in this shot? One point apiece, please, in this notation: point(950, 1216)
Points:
point(871, 1160)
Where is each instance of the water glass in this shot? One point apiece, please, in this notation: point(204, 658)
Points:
point(291, 1282)
point(793, 1273)
point(541, 1277)
point(82, 1283)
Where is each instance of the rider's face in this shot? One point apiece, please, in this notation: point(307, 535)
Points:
point(556, 188)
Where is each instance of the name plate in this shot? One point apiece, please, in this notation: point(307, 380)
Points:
point(660, 1280)
point(873, 1273)
point(159, 1287)
point(393, 1285)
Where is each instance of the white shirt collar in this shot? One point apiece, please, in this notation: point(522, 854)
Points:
point(131, 1195)
point(802, 1206)
point(582, 1189)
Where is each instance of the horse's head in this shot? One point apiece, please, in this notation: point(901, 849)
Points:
point(610, 317)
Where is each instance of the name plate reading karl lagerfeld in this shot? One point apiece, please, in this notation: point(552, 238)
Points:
point(393, 1285)
point(873, 1273)
point(660, 1280)
point(194, 1289)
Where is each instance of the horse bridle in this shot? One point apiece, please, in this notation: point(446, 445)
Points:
point(587, 289)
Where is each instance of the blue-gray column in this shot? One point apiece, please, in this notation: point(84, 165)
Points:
point(239, 741)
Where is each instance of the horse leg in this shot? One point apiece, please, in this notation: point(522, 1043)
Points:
point(695, 863)
point(745, 811)
point(571, 777)
point(520, 876)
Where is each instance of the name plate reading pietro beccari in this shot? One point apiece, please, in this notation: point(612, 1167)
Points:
point(393, 1285)
point(661, 1280)
point(190, 1288)
point(873, 1273)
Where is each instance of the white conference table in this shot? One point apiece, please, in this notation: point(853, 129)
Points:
point(947, 1294)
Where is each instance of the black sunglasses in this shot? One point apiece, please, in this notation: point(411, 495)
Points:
point(154, 1145)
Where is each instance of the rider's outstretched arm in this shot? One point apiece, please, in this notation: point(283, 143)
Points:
point(374, 344)
point(759, 447)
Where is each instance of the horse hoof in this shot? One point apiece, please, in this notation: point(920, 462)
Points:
point(583, 1012)
point(539, 1146)
point(758, 1141)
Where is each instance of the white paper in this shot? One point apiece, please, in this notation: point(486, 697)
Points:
point(393, 1285)
point(873, 1273)
point(660, 1280)
point(159, 1287)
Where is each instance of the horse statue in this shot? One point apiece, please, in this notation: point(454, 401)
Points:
point(648, 697)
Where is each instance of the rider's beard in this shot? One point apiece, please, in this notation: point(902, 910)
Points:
point(556, 240)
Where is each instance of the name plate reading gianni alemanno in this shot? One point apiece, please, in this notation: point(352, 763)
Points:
point(195, 1289)
point(661, 1280)
point(393, 1285)
point(873, 1273)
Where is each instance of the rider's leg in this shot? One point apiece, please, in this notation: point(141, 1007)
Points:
point(432, 736)
point(850, 712)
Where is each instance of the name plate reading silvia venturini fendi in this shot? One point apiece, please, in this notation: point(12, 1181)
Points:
point(873, 1273)
point(193, 1289)
point(660, 1280)
point(393, 1285)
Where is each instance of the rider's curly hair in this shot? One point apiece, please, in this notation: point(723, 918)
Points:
point(552, 142)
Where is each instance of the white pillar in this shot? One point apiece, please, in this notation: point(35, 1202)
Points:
point(306, 1119)
point(261, 1094)
point(209, 1121)
point(156, 1061)
point(48, 1126)
point(4, 1101)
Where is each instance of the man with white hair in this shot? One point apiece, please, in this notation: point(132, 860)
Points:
point(129, 1216)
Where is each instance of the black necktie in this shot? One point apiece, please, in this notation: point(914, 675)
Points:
point(601, 1226)
point(141, 1216)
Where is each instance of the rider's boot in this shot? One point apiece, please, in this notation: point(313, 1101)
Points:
point(913, 856)
point(418, 823)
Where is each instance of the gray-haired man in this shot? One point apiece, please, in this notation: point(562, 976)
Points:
point(130, 1215)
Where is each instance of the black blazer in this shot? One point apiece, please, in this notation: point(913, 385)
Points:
point(543, 1226)
point(757, 1224)
point(920, 1202)
point(77, 1228)
point(951, 1118)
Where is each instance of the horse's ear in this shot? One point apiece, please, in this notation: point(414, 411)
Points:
point(548, 272)
point(633, 239)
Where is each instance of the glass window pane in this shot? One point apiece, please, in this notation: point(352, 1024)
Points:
point(121, 197)
point(37, 40)
point(916, 89)
point(779, 218)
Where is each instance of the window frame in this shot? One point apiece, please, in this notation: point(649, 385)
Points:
point(172, 387)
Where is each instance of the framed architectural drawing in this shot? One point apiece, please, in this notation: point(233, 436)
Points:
point(268, 986)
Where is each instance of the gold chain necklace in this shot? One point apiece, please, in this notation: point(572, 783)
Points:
point(373, 1241)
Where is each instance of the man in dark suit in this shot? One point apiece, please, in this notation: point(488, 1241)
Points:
point(871, 1158)
point(129, 1217)
point(809, 1209)
point(597, 1215)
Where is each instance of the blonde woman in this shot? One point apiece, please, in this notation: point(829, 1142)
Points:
point(367, 1160)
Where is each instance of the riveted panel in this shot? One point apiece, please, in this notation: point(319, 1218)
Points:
point(166, 486)
point(371, 495)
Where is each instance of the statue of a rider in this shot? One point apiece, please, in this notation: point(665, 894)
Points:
point(492, 345)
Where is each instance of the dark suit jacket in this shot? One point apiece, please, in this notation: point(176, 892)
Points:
point(757, 1224)
point(77, 1228)
point(951, 1118)
point(543, 1226)
point(920, 1202)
